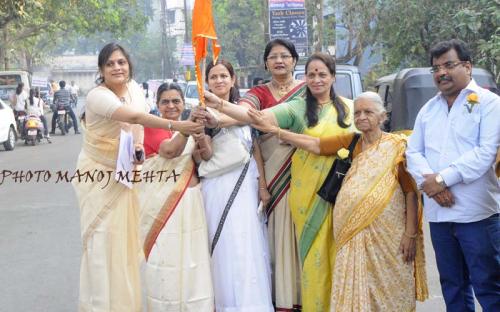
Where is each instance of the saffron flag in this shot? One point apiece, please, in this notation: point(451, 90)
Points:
point(203, 31)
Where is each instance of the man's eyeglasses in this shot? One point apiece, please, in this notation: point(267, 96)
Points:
point(448, 65)
point(174, 101)
point(275, 57)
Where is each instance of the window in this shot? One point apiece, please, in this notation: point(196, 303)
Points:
point(170, 16)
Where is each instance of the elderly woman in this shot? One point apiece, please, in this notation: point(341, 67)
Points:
point(376, 220)
point(114, 112)
point(173, 225)
point(319, 113)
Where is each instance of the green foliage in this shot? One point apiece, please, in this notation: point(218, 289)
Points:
point(240, 29)
point(29, 23)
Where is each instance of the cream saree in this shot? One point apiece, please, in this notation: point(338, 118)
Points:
point(173, 234)
point(281, 232)
point(109, 215)
point(368, 224)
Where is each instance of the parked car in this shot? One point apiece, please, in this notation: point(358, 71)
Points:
point(8, 130)
point(405, 92)
point(347, 79)
point(191, 95)
point(9, 81)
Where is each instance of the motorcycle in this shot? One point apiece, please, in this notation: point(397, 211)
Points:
point(34, 130)
point(63, 120)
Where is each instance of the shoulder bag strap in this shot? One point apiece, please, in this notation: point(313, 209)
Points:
point(353, 144)
point(230, 203)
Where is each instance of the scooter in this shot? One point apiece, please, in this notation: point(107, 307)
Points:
point(34, 130)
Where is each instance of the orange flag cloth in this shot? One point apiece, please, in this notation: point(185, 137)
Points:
point(203, 31)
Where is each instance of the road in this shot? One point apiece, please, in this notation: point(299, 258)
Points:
point(40, 245)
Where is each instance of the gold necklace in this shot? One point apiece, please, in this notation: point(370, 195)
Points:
point(282, 89)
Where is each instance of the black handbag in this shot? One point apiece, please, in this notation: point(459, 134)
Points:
point(333, 181)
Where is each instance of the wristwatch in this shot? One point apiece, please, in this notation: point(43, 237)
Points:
point(440, 180)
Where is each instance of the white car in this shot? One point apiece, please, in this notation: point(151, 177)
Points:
point(191, 95)
point(8, 130)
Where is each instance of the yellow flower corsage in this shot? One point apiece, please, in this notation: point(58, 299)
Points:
point(342, 153)
point(472, 100)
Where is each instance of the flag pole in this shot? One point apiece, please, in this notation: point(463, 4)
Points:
point(203, 68)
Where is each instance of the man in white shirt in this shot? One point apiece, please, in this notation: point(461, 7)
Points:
point(74, 89)
point(451, 154)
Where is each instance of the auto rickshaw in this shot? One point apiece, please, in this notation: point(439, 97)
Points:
point(405, 92)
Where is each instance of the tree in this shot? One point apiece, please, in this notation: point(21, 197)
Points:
point(406, 30)
point(60, 18)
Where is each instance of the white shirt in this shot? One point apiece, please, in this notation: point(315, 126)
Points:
point(74, 89)
point(21, 101)
point(461, 146)
point(37, 107)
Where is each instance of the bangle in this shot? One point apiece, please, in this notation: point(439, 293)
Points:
point(184, 134)
point(169, 125)
point(410, 236)
point(262, 188)
point(279, 133)
point(221, 105)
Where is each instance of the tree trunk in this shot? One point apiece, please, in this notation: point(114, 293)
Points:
point(319, 27)
point(265, 15)
point(4, 60)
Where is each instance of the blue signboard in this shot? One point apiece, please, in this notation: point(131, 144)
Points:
point(290, 24)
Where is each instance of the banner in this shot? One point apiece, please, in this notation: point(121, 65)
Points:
point(37, 81)
point(287, 20)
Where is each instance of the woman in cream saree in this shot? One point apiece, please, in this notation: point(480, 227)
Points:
point(368, 221)
point(109, 211)
point(173, 233)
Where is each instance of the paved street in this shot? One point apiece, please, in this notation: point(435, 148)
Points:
point(40, 237)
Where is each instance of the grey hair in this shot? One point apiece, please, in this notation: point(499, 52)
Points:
point(374, 98)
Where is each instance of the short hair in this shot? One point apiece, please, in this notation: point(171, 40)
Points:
point(458, 45)
point(62, 84)
point(282, 42)
point(374, 98)
point(167, 87)
point(105, 54)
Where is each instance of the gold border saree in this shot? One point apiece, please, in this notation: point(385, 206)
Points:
point(368, 224)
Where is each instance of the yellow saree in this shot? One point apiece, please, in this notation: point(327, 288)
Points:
point(368, 224)
point(311, 215)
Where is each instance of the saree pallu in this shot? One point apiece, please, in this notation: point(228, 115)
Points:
point(281, 232)
point(312, 217)
point(173, 234)
point(369, 221)
point(109, 274)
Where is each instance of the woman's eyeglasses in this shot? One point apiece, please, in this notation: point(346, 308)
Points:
point(275, 57)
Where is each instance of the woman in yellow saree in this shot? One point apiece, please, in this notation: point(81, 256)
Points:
point(321, 113)
point(109, 211)
point(376, 220)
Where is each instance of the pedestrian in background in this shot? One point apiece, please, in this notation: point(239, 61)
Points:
point(451, 155)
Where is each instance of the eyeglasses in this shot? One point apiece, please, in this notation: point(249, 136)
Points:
point(174, 101)
point(275, 57)
point(448, 66)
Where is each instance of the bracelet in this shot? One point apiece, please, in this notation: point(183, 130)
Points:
point(221, 105)
point(169, 125)
point(410, 236)
point(279, 133)
point(262, 188)
point(184, 135)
